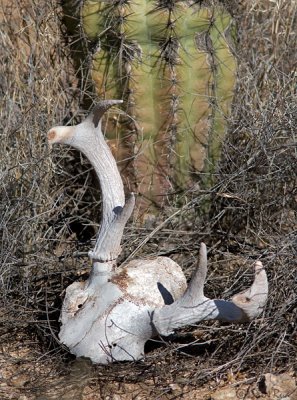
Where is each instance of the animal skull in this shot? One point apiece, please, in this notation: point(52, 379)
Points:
point(110, 316)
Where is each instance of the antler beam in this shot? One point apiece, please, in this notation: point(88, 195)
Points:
point(88, 138)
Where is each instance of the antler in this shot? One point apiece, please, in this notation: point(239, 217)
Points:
point(88, 138)
point(193, 306)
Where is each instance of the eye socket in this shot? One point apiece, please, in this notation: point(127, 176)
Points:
point(79, 305)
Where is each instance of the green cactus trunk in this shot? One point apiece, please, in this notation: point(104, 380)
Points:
point(171, 64)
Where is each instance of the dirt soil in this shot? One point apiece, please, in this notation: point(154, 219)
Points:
point(23, 377)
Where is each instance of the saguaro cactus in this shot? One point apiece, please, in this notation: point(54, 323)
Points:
point(171, 64)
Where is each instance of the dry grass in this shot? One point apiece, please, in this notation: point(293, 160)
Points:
point(49, 207)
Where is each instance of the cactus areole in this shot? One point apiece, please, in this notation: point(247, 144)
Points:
point(170, 62)
point(111, 315)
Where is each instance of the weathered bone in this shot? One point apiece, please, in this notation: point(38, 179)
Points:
point(87, 137)
point(111, 315)
point(112, 320)
point(193, 306)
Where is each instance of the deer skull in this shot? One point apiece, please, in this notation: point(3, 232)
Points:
point(110, 316)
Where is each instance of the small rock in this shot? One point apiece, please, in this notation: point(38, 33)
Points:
point(226, 393)
point(174, 387)
point(19, 380)
point(279, 386)
point(116, 397)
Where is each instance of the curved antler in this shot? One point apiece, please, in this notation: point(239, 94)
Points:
point(193, 306)
point(88, 138)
